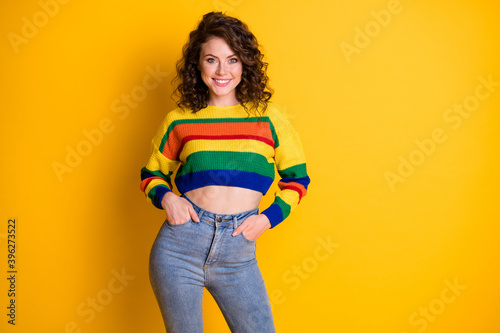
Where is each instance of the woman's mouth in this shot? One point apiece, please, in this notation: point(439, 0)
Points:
point(221, 83)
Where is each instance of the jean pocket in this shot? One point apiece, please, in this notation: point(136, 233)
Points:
point(246, 239)
point(188, 222)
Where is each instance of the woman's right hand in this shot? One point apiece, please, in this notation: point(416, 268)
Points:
point(178, 209)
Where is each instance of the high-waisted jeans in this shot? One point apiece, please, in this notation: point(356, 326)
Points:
point(187, 257)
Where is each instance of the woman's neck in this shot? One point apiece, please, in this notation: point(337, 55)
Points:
point(222, 101)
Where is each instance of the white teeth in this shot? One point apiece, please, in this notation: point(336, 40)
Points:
point(222, 81)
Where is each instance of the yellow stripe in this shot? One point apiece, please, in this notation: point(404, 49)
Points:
point(240, 145)
point(291, 197)
point(153, 183)
point(210, 113)
point(294, 155)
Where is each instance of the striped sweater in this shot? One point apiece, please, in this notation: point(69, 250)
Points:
point(222, 145)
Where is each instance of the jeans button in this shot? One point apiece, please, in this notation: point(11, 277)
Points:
point(219, 219)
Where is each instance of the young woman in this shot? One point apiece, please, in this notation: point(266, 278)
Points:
point(225, 137)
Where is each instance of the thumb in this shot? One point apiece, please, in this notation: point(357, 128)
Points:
point(193, 214)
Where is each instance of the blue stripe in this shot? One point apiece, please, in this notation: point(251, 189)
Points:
point(274, 214)
point(303, 181)
point(250, 180)
point(156, 195)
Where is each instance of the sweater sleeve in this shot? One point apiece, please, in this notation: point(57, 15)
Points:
point(156, 175)
point(291, 166)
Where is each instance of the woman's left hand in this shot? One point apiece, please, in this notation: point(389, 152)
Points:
point(253, 227)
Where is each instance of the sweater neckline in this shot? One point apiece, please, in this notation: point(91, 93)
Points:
point(224, 108)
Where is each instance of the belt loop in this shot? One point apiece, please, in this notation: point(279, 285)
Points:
point(235, 221)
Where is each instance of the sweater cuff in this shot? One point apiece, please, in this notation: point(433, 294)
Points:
point(274, 214)
point(160, 192)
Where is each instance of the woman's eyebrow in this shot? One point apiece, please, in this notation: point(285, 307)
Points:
point(211, 55)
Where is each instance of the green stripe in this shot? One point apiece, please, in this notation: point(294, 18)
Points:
point(152, 193)
point(227, 160)
point(159, 173)
point(218, 120)
point(285, 208)
point(296, 171)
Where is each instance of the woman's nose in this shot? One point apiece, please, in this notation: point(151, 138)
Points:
point(221, 69)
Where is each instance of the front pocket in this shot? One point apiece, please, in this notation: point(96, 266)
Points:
point(246, 239)
point(180, 224)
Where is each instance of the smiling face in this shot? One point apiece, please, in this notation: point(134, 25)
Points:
point(221, 71)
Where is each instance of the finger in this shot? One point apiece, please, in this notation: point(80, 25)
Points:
point(193, 214)
point(240, 229)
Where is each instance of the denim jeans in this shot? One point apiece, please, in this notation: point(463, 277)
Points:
point(187, 257)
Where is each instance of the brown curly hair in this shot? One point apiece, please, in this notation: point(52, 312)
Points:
point(253, 88)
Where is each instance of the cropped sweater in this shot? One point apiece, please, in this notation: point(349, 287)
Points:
point(224, 145)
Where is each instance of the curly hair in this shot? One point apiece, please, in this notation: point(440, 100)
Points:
point(253, 88)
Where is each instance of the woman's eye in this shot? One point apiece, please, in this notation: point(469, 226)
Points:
point(211, 60)
point(233, 60)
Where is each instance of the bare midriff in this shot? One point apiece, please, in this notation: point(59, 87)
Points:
point(225, 199)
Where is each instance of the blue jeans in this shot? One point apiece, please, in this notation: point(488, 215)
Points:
point(187, 257)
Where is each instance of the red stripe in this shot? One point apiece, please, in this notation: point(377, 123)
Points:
point(260, 129)
point(299, 188)
point(211, 131)
point(171, 148)
point(146, 181)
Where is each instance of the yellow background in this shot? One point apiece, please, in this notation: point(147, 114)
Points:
point(394, 248)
